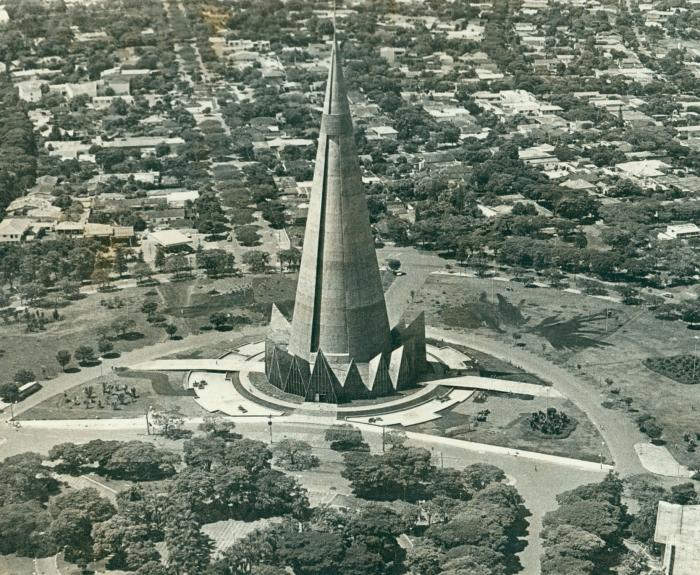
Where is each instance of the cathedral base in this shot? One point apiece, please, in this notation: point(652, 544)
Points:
point(317, 379)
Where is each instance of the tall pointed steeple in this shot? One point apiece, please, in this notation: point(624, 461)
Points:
point(340, 307)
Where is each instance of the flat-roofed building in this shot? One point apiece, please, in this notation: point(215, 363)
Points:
point(15, 230)
point(680, 232)
point(678, 529)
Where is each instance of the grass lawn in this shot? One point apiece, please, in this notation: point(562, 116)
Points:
point(82, 318)
point(593, 337)
point(157, 389)
point(505, 427)
point(246, 297)
point(13, 565)
point(187, 304)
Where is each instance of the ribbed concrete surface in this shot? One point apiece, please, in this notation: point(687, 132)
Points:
point(340, 306)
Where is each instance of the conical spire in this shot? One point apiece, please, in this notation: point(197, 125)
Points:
point(340, 306)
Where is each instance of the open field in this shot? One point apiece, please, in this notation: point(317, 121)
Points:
point(82, 318)
point(187, 304)
point(595, 338)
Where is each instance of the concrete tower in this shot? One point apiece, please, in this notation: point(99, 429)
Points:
point(339, 345)
point(340, 306)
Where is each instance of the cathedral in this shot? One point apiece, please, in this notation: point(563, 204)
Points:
point(339, 345)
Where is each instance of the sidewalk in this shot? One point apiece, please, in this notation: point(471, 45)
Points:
point(619, 433)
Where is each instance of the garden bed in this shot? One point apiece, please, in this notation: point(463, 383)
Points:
point(683, 368)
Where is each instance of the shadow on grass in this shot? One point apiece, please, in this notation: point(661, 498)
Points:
point(579, 332)
point(131, 336)
point(111, 355)
point(71, 370)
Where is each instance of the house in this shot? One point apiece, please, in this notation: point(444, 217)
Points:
point(165, 216)
point(15, 230)
point(106, 232)
point(171, 240)
point(382, 133)
point(678, 530)
point(643, 168)
point(680, 232)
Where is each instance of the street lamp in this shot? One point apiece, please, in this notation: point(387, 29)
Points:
point(269, 426)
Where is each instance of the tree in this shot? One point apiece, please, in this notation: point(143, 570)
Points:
point(401, 473)
point(140, 461)
point(204, 452)
point(63, 358)
point(220, 320)
point(257, 261)
point(84, 355)
point(71, 456)
point(393, 264)
point(159, 259)
point(425, 558)
point(169, 423)
point(478, 476)
point(247, 236)
point(74, 514)
point(9, 392)
point(122, 325)
point(149, 307)
point(216, 426)
point(120, 262)
point(290, 257)
point(105, 346)
point(101, 277)
point(310, 553)
point(171, 330)
point(142, 272)
point(127, 543)
point(395, 438)
point(24, 376)
point(345, 438)
point(294, 455)
point(23, 526)
point(179, 266)
point(23, 478)
point(189, 549)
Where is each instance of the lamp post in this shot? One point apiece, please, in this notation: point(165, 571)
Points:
point(269, 426)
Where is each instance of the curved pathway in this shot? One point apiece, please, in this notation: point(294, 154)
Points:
point(620, 434)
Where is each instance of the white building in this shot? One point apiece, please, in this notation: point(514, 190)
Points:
point(680, 232)
point(678, 529)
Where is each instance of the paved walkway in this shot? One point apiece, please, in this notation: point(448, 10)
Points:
point(502, 385)
point(658, 459)
point(230, 362)
point(418, 414)
point(219, 394)
point(619, 433)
